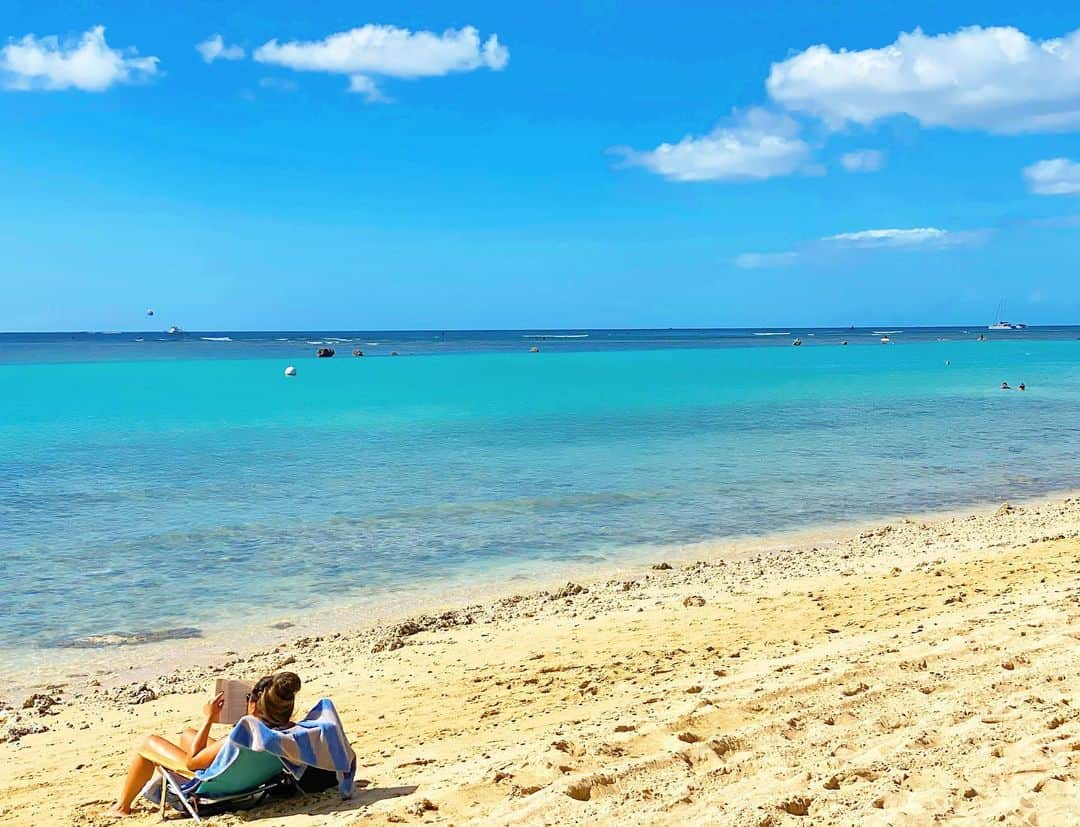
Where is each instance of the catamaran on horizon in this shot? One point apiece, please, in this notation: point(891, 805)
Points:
point(1002, 324)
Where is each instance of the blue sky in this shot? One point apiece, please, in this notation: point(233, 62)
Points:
point(372, 165)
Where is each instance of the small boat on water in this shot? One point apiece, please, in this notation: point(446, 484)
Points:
point(1002, 324)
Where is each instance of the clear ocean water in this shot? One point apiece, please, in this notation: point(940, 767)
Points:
point(150, 482)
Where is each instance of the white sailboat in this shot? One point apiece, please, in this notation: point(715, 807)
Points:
point(1002, 324)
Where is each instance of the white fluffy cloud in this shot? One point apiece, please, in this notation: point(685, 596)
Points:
point(1056, 176)
point(756, 144)
point(997, 79)
point(87, 63)
point(214, 48)
point(863, 160)
point(374, 51)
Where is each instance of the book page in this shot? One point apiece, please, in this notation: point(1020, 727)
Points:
point(236, 693)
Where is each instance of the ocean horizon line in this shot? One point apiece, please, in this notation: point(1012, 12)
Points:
point(678, 328)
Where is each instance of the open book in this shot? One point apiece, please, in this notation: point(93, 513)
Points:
point(236, 695)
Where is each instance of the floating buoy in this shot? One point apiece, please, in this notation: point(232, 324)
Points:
point(290, 371)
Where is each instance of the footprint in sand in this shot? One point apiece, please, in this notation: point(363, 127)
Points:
point(843, 719)
point(588, 788)
point(797, 806)
point(570, 748)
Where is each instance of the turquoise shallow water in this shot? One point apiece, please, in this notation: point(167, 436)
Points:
point(152, 494)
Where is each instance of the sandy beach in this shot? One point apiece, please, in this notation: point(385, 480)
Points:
point(918, 672)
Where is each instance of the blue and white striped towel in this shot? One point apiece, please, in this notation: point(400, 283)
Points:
point(316, 741)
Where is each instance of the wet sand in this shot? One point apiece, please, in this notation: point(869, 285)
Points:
point(919, 672)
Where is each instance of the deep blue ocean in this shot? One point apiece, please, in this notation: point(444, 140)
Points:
point(151, 482)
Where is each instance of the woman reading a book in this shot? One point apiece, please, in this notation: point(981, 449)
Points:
point(271, 700)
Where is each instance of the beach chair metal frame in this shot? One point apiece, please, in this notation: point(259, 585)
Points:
point(175, 782)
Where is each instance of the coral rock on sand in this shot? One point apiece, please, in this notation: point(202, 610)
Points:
point(41, 703)
point(17, 730)
point(141, 695)
point(569, 590)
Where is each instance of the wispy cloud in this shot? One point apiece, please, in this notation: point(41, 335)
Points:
point(373, 51)
point(1057, 222)
point(764, 261)
point(863, 160)
point(752, 145)
point(997, 78)
point(214, 48)
point(86, 63)
point(278, 84)
point(363, 85)
point(1055, 176)
point(914, 238)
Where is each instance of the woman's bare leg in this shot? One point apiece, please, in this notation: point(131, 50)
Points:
point(152, 750)
point(186, 737)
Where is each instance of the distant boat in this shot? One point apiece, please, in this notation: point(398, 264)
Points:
point(1002, 324)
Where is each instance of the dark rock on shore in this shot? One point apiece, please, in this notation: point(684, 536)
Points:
point(42, 704)
point(128, 638)
point(18, 729)
point(393, 637)
point(143, 694)
point(569, 590)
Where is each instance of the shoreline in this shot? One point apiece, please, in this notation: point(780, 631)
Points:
point(917, 670)
point(77, 669)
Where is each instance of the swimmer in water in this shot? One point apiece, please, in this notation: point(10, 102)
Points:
point(1005, 386)
point(1021, 387)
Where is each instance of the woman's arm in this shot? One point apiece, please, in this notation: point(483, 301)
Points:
point(204, 757)
point(200, 754)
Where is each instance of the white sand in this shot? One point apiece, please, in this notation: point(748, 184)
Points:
point(922, 673)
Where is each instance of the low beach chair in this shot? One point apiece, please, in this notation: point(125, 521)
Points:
point(247, 781)
point(256, 760)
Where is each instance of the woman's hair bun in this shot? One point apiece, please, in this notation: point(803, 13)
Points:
point(286, 685)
